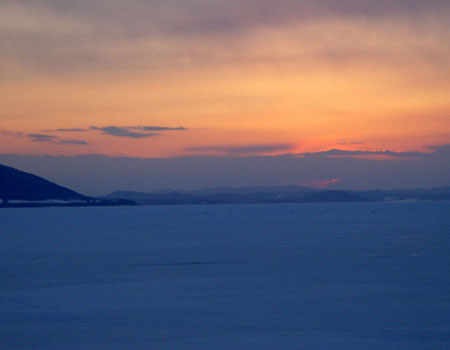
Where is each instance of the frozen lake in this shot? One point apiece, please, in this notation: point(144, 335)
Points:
point(320, 276)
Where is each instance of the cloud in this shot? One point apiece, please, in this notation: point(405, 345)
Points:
point(199, 16)
point(123, 132)
point(350, 153)
point(242, 150)
point(72, 142)
point(65, 130)
point(157, 128)
point(55, 140)
point(42, 137)
point(71, 130)
point(440, 148)
point(12, 133)
point(65, 36)
point(135, 132)
point(351, 143)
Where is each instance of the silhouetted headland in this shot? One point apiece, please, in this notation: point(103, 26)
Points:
point(20, 189)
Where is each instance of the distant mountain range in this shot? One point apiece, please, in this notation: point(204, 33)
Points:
point(278, 194)
point(20, 189)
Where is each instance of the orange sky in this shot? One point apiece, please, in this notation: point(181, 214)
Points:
point(352, 81)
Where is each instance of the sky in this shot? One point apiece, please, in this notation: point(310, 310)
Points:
point(228, 82)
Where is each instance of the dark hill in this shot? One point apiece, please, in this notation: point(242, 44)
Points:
point(18, 185)
point(20, 189)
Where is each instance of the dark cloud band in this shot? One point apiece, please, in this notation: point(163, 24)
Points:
point(351, 153)
point(55, 140)
point(135, 132)
point(244, 150)
point(123, 132)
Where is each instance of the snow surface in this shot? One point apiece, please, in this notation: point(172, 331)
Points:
point(307, 276)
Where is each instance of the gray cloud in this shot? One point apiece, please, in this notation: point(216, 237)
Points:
point(440, 148)
point(12, 133)
point(135, 132)
point(72, 142)
point(93, 35)
point(42, 138)
point(351, 143)
point(141, 17)
point(55, 139)
point(350, 153)
point(245, 150)
point(123, 132)
point(71, 130)
point(116, 130)
point(157, 128)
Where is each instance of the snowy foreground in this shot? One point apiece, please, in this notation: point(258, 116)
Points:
point(320, 276)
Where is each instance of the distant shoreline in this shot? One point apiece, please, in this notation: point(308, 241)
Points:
point(86, 205)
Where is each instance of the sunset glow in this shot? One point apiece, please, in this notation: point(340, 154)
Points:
point(223, 78)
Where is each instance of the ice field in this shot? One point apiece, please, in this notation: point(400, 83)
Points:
point(306, 276)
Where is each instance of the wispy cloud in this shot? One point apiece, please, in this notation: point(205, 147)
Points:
point(12, 133)
point(42, 137)
point(242, 150)
point(157, 128)
point(355, 143)
point(64, 130)
point(138, 131)
point(55, 139)
point(70, 130)
point(135, 132)
point(57, 37)
point(192, 16)
point(72, 142)
point(123, 132)
point(445, 148)
point(351, 153)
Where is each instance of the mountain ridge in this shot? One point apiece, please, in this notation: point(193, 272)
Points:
point(22, 189)
point(277, 194)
